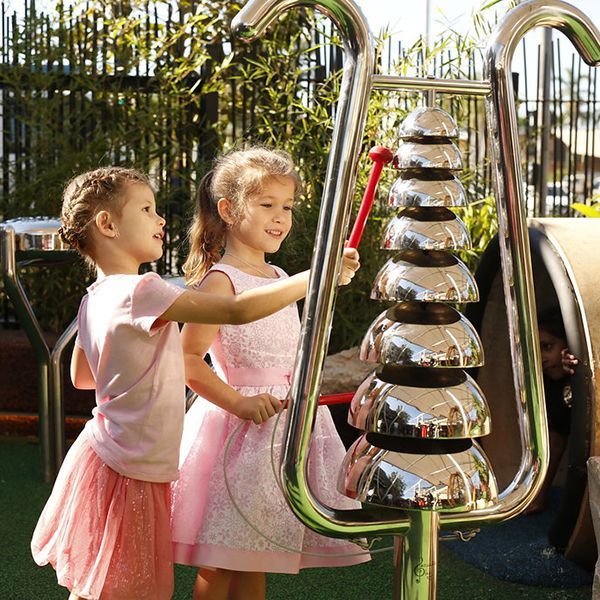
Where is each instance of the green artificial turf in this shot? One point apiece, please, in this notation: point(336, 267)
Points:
point(22, 496)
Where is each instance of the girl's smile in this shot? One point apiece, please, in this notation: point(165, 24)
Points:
point(266, 220)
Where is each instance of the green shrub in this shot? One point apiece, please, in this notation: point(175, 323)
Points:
point(204, 100)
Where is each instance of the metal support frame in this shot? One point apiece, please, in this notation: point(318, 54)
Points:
point(358, 79)
point(49, 375)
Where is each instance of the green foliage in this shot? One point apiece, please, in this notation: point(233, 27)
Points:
point(592, 211)
point(205, 99)
point(481, 220)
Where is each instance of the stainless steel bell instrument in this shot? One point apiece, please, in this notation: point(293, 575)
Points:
point(418, 469)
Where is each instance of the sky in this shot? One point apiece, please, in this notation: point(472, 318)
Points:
point(393, 13)
point(408, 26)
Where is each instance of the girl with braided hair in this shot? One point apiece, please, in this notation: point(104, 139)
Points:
point(105, 528)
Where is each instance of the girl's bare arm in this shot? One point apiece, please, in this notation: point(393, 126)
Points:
point(250, 305)
point(81, 374)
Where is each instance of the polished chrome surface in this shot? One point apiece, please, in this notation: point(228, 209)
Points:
point(36, 233)
point(404, 232)
point(449, 412)
point(413, 191)
point(449, 86)
point(14, 290)
point(394, 343)
point(416, 558)
point(457, 482)
point(351, 110)
point(517, 275)
point(331, 232)
point(57, 403)
point(401, 280)
point(417, 155)
point(426, 122)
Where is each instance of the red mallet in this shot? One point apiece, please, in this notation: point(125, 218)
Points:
point(380, 155)
point(330, 399)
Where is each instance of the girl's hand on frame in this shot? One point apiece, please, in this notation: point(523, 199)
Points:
point(259, 408)
point(350, 264)
point(569, 361)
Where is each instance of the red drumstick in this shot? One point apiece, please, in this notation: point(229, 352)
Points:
point(330, 399)
point(380, 155)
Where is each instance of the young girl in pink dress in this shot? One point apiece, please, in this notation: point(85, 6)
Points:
point(105, 528)
point(244, 210)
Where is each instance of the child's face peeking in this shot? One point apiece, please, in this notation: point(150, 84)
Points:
point(551, 348)
point(267, 217)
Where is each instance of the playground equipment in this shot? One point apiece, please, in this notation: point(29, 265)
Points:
point(35, 241)
point(406, 340)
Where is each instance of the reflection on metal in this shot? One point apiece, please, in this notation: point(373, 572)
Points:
point(456, 411)
point(457, 482)
point(36, 233)
point(412, 230)
point(428, 122)
point(413, 191)
point(27, 241)
point(419, 528)
point(516, 261)
point(392, 343)
point(432, 277)
point(418, 155)
point(448, 86)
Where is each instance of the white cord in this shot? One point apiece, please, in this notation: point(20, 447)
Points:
point(230, 440)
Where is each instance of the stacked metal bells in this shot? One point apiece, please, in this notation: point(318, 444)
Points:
point(419, 408)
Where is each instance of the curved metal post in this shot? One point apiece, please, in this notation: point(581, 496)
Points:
point(30, 324)
point(336, 203)
point(56, 386)
point(318, 308)
point(514, 246)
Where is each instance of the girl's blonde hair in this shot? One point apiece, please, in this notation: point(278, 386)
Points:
point(85, 196)
point(237, 176)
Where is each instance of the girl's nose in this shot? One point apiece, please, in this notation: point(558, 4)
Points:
point(161, 221)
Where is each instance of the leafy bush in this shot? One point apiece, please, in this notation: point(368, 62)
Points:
point(201, 99)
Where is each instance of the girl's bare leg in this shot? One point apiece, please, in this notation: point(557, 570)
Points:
point(248, 586)
point(74, 597)
point(212, 584)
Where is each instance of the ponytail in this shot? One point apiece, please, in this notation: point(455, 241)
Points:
point(206, 234)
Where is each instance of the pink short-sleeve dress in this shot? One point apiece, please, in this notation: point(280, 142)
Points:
point(106, 526)
point(207, 528)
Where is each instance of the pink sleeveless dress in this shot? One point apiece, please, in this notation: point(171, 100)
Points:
point(208, 531)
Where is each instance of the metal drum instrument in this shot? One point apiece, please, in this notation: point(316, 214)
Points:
point(419, 468)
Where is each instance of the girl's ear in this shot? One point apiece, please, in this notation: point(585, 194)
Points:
point(225, 210)
point(105, 224)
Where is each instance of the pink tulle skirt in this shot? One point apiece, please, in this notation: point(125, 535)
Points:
point(106, 535)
